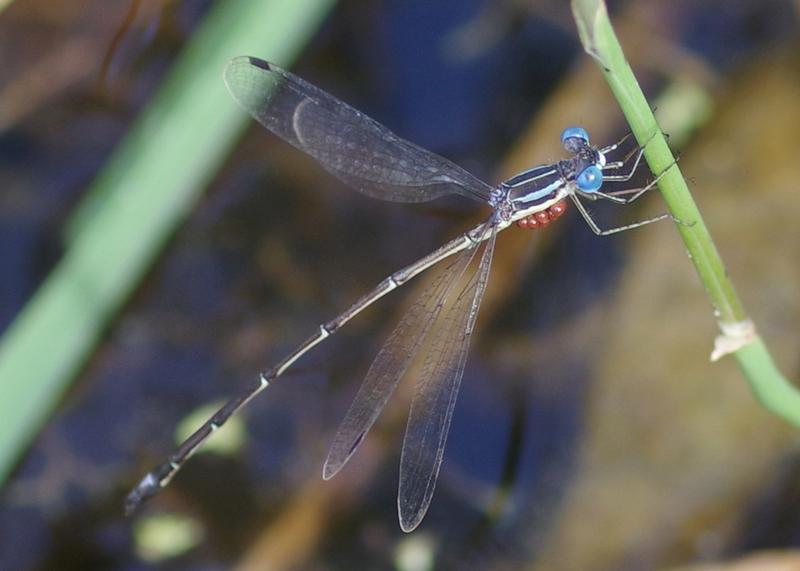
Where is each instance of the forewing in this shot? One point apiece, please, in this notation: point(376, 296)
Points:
point(353, 147)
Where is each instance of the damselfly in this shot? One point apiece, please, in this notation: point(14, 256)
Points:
point(438, 325)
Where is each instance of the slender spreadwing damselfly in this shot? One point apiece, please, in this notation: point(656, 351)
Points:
point(438, 325)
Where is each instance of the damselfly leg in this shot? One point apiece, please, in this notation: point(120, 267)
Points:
point(617, 198)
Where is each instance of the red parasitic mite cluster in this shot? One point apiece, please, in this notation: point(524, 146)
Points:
point(544, 217)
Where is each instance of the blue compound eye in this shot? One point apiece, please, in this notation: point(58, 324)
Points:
point(590, 179)
point(574, 132)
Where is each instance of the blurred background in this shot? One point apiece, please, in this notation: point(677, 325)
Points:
point(158, 249)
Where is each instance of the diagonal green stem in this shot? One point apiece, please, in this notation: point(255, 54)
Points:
point(774, 391)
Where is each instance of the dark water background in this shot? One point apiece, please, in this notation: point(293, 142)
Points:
point(276, 246)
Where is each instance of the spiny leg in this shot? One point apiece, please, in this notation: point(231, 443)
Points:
point(619, 164)
point(616, 145)
point(615, 196)
point(638, 151)
point(600, 232)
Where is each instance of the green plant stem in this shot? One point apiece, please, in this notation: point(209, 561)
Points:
point(774, 391)
point(143, 193)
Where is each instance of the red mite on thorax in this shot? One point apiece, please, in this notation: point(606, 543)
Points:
point(544, 217)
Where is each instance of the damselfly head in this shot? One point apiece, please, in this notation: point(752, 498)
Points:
point(574, 139)
point(586, 165)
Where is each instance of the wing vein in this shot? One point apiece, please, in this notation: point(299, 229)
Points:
point(350, 145)
point(435, 396)
point(392, 361)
